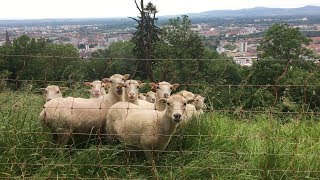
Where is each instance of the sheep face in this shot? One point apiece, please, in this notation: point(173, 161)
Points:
point(52, 92)
point(176, 105)
point(116, 83)
point(199, 102)
point(151, 97)
point(97, 88)
point(163, 89)
point(131, 89)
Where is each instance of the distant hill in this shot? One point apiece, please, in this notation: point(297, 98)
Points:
point(260, 12)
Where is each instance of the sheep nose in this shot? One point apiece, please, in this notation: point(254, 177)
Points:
point(177, 116)
point(165, 95)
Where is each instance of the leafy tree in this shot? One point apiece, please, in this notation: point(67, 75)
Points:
point(179, 41)
point(145, 37)
point(283, 42)
point(117, 58)
point(28, 58)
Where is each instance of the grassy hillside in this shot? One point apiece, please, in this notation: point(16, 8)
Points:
point(215, 146)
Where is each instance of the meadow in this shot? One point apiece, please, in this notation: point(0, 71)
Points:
point(216, 145)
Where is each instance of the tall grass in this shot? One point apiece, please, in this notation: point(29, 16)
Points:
point(214, 146)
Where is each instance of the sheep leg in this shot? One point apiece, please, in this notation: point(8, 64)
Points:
point(150, 157)
point(63, 137)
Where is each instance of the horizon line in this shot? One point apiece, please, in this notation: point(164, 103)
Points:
point(123, 17)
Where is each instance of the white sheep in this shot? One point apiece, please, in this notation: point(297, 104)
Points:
point(142, 96)
point(199, 104)
point(149, 130)
point(186, 94)
point(65, 116)
point(151, 97)
point(52, 92)
point(131, 91)
point(97, 88)
point(163, 90)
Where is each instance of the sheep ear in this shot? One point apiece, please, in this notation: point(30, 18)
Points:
point(106, 80)
point(175, 86)
point(190, 101)
point(126, 76)
point(87, 83)
point(63, 88)
point(142, 84)
point(153, 85)
point(162, 100)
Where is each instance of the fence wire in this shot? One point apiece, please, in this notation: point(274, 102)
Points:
point(226, 141)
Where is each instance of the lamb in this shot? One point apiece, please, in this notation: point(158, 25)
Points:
point(52, 92)
point(97, 88)
point(131, 91)
point(151, 97)
point(163, 90)
point(149, 130)
point(65, 116)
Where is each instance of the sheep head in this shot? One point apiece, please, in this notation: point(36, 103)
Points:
point(97, 88)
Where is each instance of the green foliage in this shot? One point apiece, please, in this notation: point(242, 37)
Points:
point(144, 38)
point(230, 46)
point(283, 42)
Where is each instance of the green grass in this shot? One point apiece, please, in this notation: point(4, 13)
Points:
point(214, 146)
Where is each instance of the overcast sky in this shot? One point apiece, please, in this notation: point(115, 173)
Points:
point(39, 9)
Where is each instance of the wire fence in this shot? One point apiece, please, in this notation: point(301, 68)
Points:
point(249, 130)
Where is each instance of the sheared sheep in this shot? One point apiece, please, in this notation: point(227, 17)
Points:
point(150, 130)
point(151, 97)
point(163, 90)
point(97, 88)
point(142, 96)
point(131, 91)
point(65, 116)
point(186, 94)
point(52, 92)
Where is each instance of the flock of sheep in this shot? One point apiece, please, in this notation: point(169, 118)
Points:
point(145, 121)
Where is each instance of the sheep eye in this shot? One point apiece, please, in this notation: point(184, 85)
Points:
point(158, 87)
point(102, 85)
point(168, 104)
point(171, 88)
point(184, 104)
point(147, 95)
point(57, 92)
point(91, 85)
point(46, 91)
